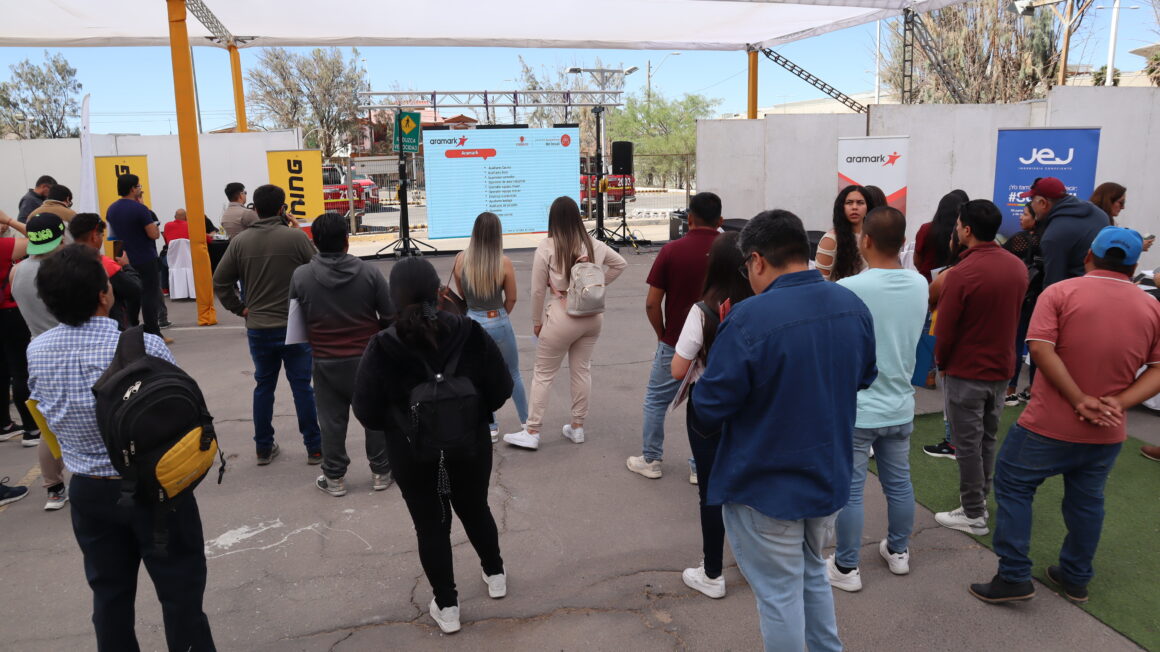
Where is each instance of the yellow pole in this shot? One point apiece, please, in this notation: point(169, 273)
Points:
point(752, 85)
point(239, 94)
point(190, 159)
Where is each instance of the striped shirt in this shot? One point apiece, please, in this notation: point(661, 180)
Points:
point(64, 363)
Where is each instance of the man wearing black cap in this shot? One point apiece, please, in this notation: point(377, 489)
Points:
point(1070, 225)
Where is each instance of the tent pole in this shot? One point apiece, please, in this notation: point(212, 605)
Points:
point(239, 93)
point(190, 159)
point(752, 114)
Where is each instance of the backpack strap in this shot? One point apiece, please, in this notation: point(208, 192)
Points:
point(130, 347)
point(394, 334)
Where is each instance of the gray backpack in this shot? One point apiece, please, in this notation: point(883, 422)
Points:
point(586, 289)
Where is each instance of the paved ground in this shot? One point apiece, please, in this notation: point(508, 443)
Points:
point(594, 553)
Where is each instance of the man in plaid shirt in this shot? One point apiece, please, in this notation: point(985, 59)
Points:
point(63, 364)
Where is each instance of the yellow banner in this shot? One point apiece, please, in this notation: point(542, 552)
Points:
point(299, 173)
point(108, 168)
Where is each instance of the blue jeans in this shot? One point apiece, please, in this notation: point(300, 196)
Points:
point(782, 561)
point(1025, 461)
point(269, 351)
point(662, 387)
point(892, 452)
point(500, 329)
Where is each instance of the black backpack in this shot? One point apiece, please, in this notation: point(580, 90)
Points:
point(156, 427)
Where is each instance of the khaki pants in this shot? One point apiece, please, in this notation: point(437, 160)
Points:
point(51, 469)
point(563, 333)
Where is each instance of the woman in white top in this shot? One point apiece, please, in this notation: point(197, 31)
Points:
point(838, 255)
point(558, 332)
point(724, 287)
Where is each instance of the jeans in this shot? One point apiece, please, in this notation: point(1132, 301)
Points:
point(269, 351)
point(704, 443)
point(892, 452)
point(114, 540)
point(662, 387)
point(973, 408)
point(150, 294)
point(333, 391)
point(1025, 461)
point(500, 329)
point(782, 561)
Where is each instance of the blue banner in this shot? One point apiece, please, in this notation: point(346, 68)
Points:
point(1023, 155)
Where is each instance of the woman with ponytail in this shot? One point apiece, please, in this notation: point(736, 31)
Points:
point(395, 362)
point(838, 255)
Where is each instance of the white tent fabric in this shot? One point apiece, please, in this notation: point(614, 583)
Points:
point(600, 24)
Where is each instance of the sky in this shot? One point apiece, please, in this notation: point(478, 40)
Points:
point(132, 91)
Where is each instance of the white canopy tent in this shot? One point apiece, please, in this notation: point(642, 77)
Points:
point(602, 24)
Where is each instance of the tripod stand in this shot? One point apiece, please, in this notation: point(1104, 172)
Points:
point(404, 245)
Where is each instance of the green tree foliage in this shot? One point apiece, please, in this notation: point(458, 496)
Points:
point(1153, 69)
point(663, 132)
point(40, 101)
point(316, 92)
point(1098, 76)
point(560, 80)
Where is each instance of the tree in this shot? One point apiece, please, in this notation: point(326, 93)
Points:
point(317, 92)
point(41, 101)
point(660, 127)
point(1098, 76)
point(1153, 69)
point(562, 80)
point(996, 55)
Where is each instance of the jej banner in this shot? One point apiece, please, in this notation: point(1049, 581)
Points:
point(299, 173)
point(875, 161)
point(1023, 155)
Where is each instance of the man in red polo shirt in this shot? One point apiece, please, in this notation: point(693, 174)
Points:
point(1088, 337)
point(978, 313)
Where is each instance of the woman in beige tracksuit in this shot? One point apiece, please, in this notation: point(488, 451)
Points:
point(558, 332)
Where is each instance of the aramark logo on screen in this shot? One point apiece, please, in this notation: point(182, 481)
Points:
point(458, 141)
point(1046, 156)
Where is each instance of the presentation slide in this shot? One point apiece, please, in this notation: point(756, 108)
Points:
point(514, 173)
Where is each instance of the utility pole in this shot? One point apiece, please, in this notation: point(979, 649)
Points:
point(1062, 81)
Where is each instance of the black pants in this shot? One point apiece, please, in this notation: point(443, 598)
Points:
point(470, 476)
point(150, 295)
point(15, 337)
point(114, 541)
point(704, 454)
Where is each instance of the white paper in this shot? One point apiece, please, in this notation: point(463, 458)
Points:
point(295, 324)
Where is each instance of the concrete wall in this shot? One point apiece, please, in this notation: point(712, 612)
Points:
point(224, 158)
point(731, 163)
point(801, 173)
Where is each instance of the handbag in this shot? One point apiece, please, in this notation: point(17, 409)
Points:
point(449, 301)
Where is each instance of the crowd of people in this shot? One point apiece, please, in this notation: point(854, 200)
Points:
point(794, 367)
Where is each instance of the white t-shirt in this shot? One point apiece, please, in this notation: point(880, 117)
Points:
point(691, 338)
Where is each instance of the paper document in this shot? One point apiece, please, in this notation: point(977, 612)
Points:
point(295, 324)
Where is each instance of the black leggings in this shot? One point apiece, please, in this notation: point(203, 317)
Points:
point(15, 336)
point(704, 454)
point(470, 476)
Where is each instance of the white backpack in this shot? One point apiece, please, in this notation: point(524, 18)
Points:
point(586, 289)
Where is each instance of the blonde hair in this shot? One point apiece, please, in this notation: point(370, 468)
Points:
point(566, 228)
point(483, 259)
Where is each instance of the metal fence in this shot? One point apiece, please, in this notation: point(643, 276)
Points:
point(664, 183)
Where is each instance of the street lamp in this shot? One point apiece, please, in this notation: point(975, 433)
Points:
point(651, 70)
point(1109, 74)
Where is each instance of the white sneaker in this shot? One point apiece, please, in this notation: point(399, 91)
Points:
point(958, 520)
point(56, 499)
point(494, 429)
point(336, 488)
point(899, 564)
point(496, 584)
point(523, 439)
point(575, 435)
point(636, 464)
point(851, 581)
point(695, 578)
point(447, 619)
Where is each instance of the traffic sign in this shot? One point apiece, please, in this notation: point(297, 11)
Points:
point(407, 133)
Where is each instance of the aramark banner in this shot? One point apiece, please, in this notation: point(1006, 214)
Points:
point(876, 161)
point(1023, 155)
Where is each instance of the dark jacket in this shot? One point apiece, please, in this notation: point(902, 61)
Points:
point(390, 370)
point(263, 258)
point(1069, 229)
point(344, 301)
point(28, 203)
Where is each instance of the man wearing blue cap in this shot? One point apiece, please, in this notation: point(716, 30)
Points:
point(1075, 423)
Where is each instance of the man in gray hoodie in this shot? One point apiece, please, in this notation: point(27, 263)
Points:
point(1071, 224)
point(344, 303)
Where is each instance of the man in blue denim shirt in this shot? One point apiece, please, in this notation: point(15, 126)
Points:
point(783, 380)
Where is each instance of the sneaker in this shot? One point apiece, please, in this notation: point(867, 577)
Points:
point(899, 563)
point(56, 498)
point(1025, 395)
point(496, 584)
point(335, 488)
point(165, 324)
point(637, 464)
point(1011, 400)
point(1151, 452)
point(523, 439)
point(999, 590)
point(447, 619)
point(494, 429)
point(575, 435)
point(31, 439)
point(695, 578)
point(11, 494)
point(266, 456)
point(851, 581)
point(941, 449)
point(1073, 592)
point(382, 481)
point(957, 519)
point(692, 471)
point(314, 457)
point(10, 431)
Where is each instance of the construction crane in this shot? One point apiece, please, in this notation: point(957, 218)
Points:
point(814, 81)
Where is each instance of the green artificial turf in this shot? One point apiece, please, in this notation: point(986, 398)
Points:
point(1125, 593)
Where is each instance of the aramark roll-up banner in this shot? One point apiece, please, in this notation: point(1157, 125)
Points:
point(299, 173)
point(875, 161)
point(107, 169)
point(1023, 155)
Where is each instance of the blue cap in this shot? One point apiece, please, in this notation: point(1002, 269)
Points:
point(1116, 237)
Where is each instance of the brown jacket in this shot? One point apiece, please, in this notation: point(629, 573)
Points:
point(56, 208)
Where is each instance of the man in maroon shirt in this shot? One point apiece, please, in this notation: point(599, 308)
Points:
point(676, 278)
point(978, 314)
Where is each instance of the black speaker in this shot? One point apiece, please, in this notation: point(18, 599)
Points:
point(622, 157)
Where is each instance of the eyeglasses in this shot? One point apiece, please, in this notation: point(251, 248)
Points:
point(744, 267)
